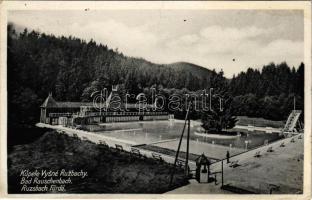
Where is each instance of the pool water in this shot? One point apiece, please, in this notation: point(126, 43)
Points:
point(155, 131)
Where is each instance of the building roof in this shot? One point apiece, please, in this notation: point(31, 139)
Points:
point(49, 102)
point(202, 160)
point(73, 104)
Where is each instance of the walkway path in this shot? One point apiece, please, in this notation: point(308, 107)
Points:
point(94, 137)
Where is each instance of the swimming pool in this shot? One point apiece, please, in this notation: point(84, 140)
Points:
point(156, 131)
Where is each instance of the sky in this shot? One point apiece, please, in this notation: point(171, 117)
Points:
point(231, 40)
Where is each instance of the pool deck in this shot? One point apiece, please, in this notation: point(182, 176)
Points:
point(283, 167)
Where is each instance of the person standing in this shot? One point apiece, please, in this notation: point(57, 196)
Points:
point(227, 156)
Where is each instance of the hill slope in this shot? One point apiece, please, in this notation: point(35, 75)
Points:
point(196, 70)
point(108, 170)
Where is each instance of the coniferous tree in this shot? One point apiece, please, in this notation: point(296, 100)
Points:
point(72, 68)
point(221, 116)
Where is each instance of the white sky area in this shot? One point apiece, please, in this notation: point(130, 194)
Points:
point(210, 38)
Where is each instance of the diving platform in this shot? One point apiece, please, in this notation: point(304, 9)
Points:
point(291, 123)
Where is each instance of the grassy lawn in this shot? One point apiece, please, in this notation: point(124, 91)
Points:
point(109, 171)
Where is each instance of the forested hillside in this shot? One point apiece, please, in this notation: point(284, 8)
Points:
point(72, 69)
point(269, 92)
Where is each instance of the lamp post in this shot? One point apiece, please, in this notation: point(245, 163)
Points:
point(246, 144)
point(101, 103)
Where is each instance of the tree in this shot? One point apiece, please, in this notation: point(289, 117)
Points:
point(73, 69)
point(220, 117)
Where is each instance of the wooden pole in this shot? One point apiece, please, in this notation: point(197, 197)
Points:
point(178, 150)
point(208, 173)
point(101, 104)
point(187, 145)
point(221, 172)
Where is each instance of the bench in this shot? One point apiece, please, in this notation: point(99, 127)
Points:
point(75, 136)
point(157, 157)
point(270, 149)
point(119, 147)
point(234, 164)
point(103, 144)
point(292, 140)
point(282, 144)
point(257, 154)
point(135, 152)
point(84, 138)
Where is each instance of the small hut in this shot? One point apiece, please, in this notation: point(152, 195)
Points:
point(202, 169)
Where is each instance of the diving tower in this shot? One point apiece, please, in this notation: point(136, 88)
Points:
point(291, 123)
